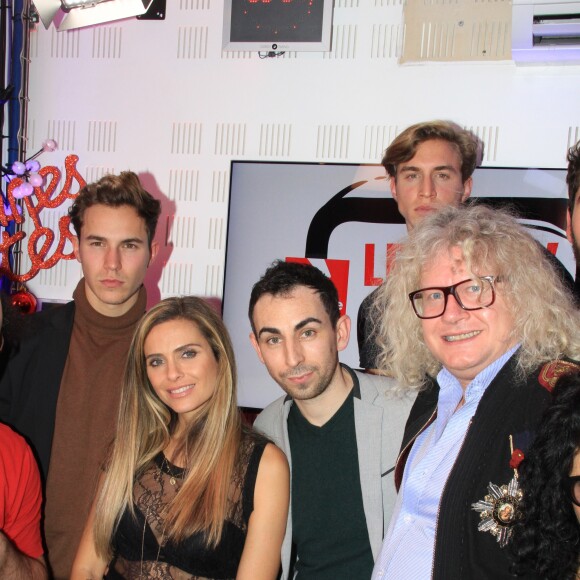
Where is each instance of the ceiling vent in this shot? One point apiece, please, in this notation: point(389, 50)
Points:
point(545, 32)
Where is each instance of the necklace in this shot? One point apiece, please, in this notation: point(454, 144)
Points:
point(160, 543)
point(163, 468)
point(172, 476)
point(175, 473)
point(173, 481)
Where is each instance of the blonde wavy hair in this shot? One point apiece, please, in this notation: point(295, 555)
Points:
point(404, 146)
point(145, 425)
point(492, 242)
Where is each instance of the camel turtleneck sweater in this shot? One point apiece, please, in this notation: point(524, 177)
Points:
point(86, 416)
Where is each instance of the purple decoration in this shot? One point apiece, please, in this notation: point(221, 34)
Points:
point(8, 209)
point(33, 165)
point(18, 168)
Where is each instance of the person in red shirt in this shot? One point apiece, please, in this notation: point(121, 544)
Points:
point(21, 552)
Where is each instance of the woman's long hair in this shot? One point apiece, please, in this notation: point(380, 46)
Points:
point(547, 539)
point(209, 447)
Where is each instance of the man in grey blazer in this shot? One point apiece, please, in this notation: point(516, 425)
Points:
point(340, 429)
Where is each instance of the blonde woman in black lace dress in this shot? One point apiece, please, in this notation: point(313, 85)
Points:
point(188, 492)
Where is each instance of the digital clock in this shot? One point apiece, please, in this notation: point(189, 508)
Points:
point(288, 24)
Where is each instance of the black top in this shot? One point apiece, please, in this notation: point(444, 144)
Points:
point(328, 520)
point(368, 349)
point(140, 546)
point(30, 385)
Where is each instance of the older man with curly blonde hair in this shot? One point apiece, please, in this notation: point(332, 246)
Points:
point(473, 302)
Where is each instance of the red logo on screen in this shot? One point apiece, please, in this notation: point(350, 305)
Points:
point(370, 278)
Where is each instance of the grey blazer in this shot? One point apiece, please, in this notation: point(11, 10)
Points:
point(380, 418)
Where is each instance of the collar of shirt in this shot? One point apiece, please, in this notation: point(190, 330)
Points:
point(451, 391)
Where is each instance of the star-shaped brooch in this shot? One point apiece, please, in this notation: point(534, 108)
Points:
point(499, 510)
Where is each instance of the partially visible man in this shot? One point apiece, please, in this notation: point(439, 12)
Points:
point(61, 389)
point(339, 429)
point(472, 302)
point(21, 552)
point(430, 166)
point(573, 216)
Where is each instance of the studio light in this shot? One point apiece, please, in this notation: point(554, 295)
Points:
point(69, 14)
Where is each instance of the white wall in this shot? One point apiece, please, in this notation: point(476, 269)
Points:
point(162, 99)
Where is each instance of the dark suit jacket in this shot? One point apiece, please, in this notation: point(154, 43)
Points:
point(511, 405)
point(30, 385)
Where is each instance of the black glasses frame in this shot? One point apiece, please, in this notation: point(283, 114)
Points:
point(451, 291)
point(572, 481)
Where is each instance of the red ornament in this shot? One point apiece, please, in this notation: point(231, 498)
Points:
point(517, 458)
point(45, 246)
point(24, 301)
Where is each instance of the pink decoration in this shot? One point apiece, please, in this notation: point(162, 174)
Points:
point(35, 180)
point(49, 145)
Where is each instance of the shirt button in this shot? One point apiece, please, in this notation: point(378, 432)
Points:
point(407, 519)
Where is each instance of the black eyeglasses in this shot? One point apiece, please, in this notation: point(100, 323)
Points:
point(471, 294)
point(574, 483)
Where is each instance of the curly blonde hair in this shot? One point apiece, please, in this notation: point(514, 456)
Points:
point(546, 321)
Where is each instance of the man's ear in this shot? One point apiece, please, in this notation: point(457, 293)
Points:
point(154, 250)
point(256, 346)
point(393, 185)
point(342, 332)
point(467, 187)
point(75, 245)
point(569, 226)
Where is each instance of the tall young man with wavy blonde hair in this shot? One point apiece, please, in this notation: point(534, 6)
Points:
point(429, 166)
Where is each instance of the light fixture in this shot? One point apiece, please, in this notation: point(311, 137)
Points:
point(69, 14)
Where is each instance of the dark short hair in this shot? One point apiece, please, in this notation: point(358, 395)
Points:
point(116, 191)
point(281, 278)
point(573, 174)
point(403, 148)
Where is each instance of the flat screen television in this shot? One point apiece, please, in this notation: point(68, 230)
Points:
point(277, 25)
point(343, 219)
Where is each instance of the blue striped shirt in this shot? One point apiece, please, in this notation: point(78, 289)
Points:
point(408, 549)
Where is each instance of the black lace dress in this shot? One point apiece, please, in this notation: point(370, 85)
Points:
point(140, 547)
